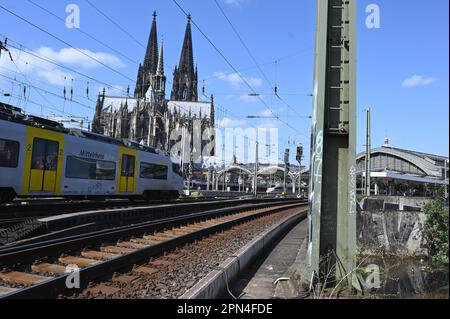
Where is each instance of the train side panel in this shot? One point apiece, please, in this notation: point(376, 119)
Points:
point(13, 142)
point(153, 174)
point(90, 168)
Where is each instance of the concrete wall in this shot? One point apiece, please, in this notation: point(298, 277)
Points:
point(391, 225)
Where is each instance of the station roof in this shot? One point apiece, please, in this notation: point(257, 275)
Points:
point(430, 164)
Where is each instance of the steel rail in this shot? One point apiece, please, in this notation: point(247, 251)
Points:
point(55, 286)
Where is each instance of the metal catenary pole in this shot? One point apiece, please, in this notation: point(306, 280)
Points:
point(367, 190)
point(331, 248)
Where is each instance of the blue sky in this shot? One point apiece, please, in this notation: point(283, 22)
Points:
point(402, 67)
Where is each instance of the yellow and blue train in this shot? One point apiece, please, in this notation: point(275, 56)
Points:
point(41, 158)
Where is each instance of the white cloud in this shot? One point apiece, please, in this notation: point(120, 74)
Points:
point(25, 64)
point(236, 80)
point(249, 98)
point(227, 122)
point(236, 2)
point(75, 57)
point(418, 80)
point(266, 113)
point(54, 76)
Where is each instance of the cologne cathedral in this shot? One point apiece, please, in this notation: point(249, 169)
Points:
point(148, 118)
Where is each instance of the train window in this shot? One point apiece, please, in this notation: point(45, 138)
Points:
point(106, 171)
point(45, 155)
point(128, 165)
point(177, 169)
point(83, 168)
point(154, 171)
point(9, 153)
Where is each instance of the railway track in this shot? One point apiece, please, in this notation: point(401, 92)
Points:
point(39, 270)
point(21, 211)
point(59, 218)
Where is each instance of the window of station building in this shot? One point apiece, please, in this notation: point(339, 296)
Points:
point(9, 153)
point(83, 168)
point(154, 171)
point(177, 169)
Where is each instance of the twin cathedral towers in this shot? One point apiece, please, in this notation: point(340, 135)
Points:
point(147, 117)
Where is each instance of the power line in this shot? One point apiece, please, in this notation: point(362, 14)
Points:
point(40, 81)
point(243, 44)
point(116, 24)
point(40, 89)
point(142, 45)
point(30, 52)
point(37, 104)
point(48, 92)
point(233, 68)
point(65, 42)
point(83, 32)
point(24, 75)
point(262, 64)
point(274, 88)
point(137, 41)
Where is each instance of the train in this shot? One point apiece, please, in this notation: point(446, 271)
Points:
point(41, 158)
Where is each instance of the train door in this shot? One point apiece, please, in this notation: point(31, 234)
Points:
point(128, 174)
point(128, 170)
point(43, 163)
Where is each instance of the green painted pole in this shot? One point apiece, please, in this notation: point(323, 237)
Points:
point(332, 218)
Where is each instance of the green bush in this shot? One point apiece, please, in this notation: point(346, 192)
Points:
point(436, 229)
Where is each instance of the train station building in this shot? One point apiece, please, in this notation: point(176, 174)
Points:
point(400, 172)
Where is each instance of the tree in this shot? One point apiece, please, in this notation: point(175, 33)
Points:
point(436, 229)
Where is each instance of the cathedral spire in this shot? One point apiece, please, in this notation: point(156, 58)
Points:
point(187, 53)
point(160, 70)
point(150, 66)
point(151, 56)
point(184, 77)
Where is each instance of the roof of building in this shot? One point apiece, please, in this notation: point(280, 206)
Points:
point(431, 164)
point(114, 103)
point(194, 108)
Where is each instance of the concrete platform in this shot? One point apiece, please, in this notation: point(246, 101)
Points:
point(215, 284)
point(281, 262)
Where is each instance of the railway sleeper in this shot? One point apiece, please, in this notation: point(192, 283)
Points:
point(22, 278)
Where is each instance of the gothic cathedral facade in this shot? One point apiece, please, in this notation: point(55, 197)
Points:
point(147, 117)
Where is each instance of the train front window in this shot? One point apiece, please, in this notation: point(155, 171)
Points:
point(9, 153)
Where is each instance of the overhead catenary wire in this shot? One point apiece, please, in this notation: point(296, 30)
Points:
point(38, 104)
point(19, 46)
point(47, 92)
point(240, 75)
point(58, 64)
point(84, 32)
point(111, 20)
point(65, 42)
point(273, 87)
